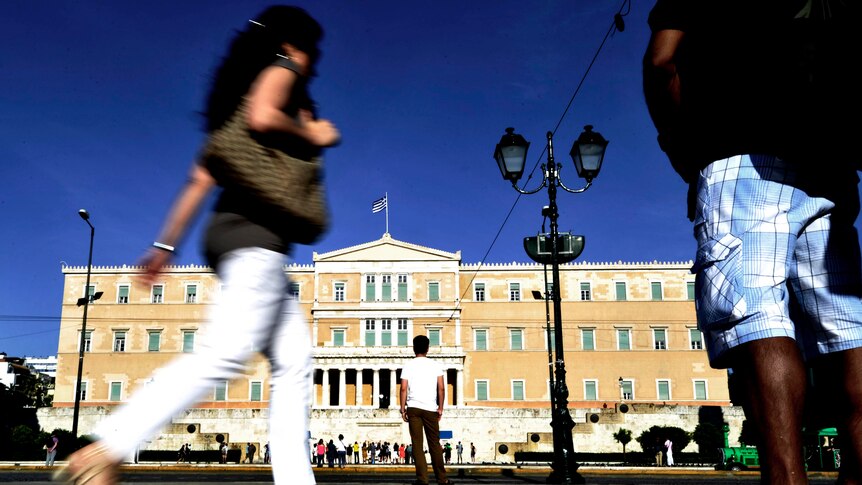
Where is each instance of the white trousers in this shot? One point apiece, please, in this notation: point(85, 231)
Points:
point(254, 312)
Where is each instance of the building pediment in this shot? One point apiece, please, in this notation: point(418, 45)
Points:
point(386, 249)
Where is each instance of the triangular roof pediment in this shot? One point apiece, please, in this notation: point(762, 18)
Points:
point(386, 249)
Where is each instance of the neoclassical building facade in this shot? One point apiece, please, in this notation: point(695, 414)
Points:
point(629, 334)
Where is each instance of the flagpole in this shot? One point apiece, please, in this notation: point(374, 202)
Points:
point(386, 195)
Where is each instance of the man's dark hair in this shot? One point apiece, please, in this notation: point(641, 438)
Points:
point(420, 344)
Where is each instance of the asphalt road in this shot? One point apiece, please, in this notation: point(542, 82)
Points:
point(248, 475)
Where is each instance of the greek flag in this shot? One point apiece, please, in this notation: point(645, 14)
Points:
point(378, 205)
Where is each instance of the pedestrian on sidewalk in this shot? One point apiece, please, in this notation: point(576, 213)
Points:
point(422, 397)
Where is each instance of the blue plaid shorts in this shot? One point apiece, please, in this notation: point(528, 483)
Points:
point(777, 256)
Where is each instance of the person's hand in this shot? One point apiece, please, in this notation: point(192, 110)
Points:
point(322, 133)
point(439, 414)
point(154, 259)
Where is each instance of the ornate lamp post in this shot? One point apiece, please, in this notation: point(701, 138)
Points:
point(587, 152)
point(85, 301)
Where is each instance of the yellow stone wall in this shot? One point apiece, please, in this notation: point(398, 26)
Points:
point(457, 315)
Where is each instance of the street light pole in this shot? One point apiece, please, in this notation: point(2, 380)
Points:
point(86, 216)
point(565, 466)
point(588, 153)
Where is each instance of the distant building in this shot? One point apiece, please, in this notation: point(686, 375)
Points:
point(629, 329)
point(42, 365)
point(11, 370)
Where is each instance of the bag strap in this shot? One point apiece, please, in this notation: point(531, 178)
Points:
point(287, 63)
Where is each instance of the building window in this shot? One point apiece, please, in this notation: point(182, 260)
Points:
point(518, 390)
point(700, 390)
point(191, 293)
point(158, 294)
point(154, 340)
point(116, 391)
point(663, 389)
point(386, 332)
point(370, 286)
point(120, 341)
point(585, 292)
point(90, 291)
point(659, 337)
point(338, 337)
point(514, 292)
point(434, 336)
point(88, 339)
point(479, 291)
point(551, 337)
point(591, 392)
point(370, 333)
point(402, 287)
point(123, 294)
point(433, 291)
point(622, 294)
point(256, 391)
point(83, 391)
point(696, 339)
point(655, 288)
point(588, 339)
point(293, 290)
point(188, 341)
point(386, 287)
point(220, 393)
point(338, 291)
point(480, 339)
point(516, 339)
point(402, 332)
point(627, 390)
point(482, 390)
point(624, 339)
point(689, 286)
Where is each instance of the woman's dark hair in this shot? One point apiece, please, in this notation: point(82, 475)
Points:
point(255, 48)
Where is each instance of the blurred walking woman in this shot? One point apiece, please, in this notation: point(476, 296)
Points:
point(267, 64)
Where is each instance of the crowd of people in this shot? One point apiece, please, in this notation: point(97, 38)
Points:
point(328, 452)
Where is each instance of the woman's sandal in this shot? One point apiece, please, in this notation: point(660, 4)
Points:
point(91, 465)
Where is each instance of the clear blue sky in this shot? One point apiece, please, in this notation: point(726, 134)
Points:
point(100, 104)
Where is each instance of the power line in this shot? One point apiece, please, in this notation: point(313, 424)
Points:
point(616, 25)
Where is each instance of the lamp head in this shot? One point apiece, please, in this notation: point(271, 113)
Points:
point(511, 154)
point(588, 153)
point(84, 214)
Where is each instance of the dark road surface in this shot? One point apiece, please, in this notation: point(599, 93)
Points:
point(207, 475)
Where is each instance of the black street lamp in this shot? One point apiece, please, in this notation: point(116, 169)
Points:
point(86, 302)
point(587, 152)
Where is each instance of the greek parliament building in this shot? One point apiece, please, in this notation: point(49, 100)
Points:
point(633, 354)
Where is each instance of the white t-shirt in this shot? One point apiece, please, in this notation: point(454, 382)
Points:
point(339, 446)
point(421, 375)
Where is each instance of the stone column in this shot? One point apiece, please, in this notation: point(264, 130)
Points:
point(324, 396)
point(359, 385)
point(393, 396)
point(313, 394)
point(375, 389)
point(448, 396)
point(342, 387)
point(459, 387)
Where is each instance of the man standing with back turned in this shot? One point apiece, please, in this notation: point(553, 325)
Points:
point(749, 99)
point(422, 398)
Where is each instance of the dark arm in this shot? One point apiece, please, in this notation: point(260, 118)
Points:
point(661, 81)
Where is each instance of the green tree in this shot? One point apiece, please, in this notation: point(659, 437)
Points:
point(658, 434)
point(748, 435)
point(709, 439)
point(623, 437)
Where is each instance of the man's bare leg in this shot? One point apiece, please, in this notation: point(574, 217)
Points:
point(848, 402)
point(774, 380)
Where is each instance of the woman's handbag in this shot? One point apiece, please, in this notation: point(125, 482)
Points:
point(290, 185)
